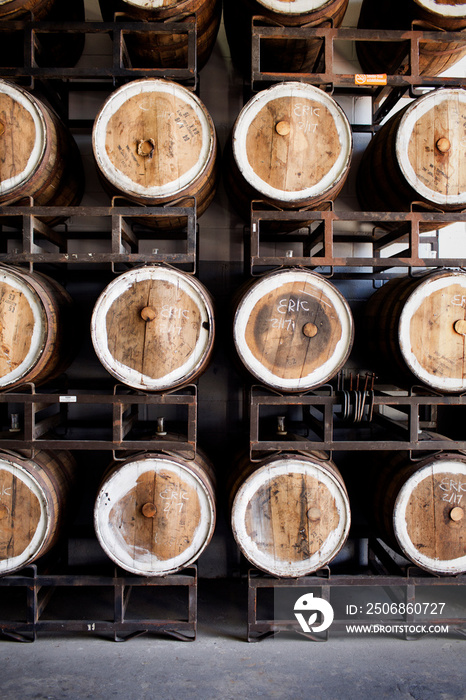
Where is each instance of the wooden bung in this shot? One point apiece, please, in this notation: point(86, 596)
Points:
point(291, 146)
point(153, 328)
point(460, 326)
point(410, 159)
point(457, 514)
point(416, 509)
point(148, 314)
point(292, 329)
point(155, 513)
point(290, 513)
point(443, 145)
point(154, 142)
point(149, 510)
point(413, 331)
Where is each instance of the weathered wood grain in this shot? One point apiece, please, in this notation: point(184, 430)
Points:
point(292, 329)
point(35, 498)
point(169, 50)
point(154, 143)
point(153, 328)
point(415, 328)
point(419, 509)
point(418, 156)
point(392, 57)
point(154, 513)
point(290, 513)
point(291, 147)
point(38, 156)
point(36, 328)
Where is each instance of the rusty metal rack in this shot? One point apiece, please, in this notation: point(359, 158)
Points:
point(384, 96)
point(38, 590)
point(119, 68)
point(385, 418)
point(113, 421)
point(121, 230)
point(407, 582)
point(312, 242)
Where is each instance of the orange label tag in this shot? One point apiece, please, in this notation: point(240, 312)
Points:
point(370, 79)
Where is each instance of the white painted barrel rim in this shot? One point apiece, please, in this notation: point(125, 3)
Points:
point(293, 7)
point(43, 526)
point(247, 491)
point(305, 92)
point(451, 566)
point(411, 305)
point(39, 332)
point(264, 286)
point(405, 129)
point(128, 375)
point(152, 4)
point(115, 101)
point(443, 10)
point(143, 562)
point(37, 153)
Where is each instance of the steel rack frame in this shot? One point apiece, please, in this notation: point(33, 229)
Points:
point(408, 580)
point(39, 588)
point(42, 420)
point(317, 232)
point(120, 69)
point(33, 241)
point(386, 90)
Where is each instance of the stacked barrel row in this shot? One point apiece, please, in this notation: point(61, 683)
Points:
point(153, 327)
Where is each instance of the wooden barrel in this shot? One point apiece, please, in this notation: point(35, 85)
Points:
point(154, 142)
point(170, 50)
point(51, 49)
point(419, 509)
point(290, 513)
point(36, 328)
point(153, 328)
point(415, 330)
point(155, 513)
point(428, 15)
point(291, 147)
point(418, 156)
point(291, 55)
point(292, 329)
point(38, 156)
point(35, 496)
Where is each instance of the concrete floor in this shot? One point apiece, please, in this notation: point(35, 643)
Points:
point(221, 664)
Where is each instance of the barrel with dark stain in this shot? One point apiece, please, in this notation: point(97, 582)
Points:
point(166, 50)
point(287, 55)
point(37, 328)
point(419, 509)
point(425, 15)
point(415, 330)
point(418, 156)
point(291, 147)
point(51, 48)
point(293, 329)
point(290, 513)
point(154, 143)
point(155, 513)
point(153, 328)
point(35, 501)
point(38, 156)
